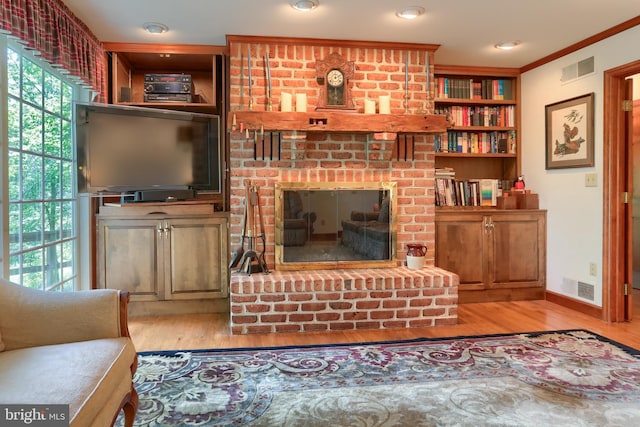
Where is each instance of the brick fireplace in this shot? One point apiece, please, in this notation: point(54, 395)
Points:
point(312, 300)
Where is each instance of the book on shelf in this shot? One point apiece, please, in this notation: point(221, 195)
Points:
point(475, 142)
point(473, 192)
point(465, 88)
point(485, 116)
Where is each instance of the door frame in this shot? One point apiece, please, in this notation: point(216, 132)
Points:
point(616, 181)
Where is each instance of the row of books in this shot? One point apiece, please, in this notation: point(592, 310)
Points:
point(473, 192)
point(498, 89)
point(463, 115)
point(476, 142)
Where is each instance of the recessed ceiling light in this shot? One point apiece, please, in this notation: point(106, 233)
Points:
point(304, 5)
point(155, 27)
point(411, 12)
point(507, 45)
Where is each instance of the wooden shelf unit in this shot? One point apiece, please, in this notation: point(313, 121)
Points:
point(131, 61)
point(475, 165)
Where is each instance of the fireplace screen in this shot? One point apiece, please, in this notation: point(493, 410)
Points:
point(328, 225)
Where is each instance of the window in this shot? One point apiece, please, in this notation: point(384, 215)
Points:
point(41, 214)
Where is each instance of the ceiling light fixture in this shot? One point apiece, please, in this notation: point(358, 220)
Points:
point(411, 12)
point(155, 27)
point(304, 5)
point(507, 45)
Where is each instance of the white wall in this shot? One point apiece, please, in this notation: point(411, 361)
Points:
point(574, 221)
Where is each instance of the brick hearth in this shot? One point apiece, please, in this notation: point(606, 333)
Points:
point(325, 300)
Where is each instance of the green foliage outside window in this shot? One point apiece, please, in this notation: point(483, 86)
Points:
point(42, 206)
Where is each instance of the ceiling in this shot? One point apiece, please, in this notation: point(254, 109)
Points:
point(467, 30)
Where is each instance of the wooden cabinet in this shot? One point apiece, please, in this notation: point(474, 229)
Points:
point(499, 254)
point(163, 252)
point(483, 141)
point(204, 64)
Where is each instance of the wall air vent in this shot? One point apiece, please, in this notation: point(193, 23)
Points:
point(578, 69)
point(586, 290)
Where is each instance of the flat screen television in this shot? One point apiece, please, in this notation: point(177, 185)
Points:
point(123, 149)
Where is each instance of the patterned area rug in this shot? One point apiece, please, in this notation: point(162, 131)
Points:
point(563, 378)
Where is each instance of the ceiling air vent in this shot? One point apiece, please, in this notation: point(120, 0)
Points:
point(577, 70)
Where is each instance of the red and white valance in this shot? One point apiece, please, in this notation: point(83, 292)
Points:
point(60, 38)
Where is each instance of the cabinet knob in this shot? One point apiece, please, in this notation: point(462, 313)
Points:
point(488, 225)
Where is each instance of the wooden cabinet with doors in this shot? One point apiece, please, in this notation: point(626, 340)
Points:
point(173, 255)
point(500, 255)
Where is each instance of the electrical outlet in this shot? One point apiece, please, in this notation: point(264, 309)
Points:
point(593, 269)
point(591, 179)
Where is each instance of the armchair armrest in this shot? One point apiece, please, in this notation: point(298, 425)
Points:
point(30, 317)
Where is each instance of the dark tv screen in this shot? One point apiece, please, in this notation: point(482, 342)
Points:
point(122, 148)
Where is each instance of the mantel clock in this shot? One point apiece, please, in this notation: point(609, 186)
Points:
point(333, 76)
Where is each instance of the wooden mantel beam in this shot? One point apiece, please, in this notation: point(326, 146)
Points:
point(330, 121)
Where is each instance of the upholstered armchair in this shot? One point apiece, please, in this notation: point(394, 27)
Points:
point(298, 225)
point(69, 348)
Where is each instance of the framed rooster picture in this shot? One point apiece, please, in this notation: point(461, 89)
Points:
point(569, 127)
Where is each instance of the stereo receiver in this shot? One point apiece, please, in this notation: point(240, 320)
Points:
point(167, 87)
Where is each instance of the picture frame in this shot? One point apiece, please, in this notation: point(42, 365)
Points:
point(569, 133)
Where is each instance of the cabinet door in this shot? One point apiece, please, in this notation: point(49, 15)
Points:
point(461, 247)
point(127, 258)
point(196, 259)
point(519, 250)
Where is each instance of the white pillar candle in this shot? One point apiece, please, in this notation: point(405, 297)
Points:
point(369, 106)
point(301, 102)
point(285, 102)
point(384, 102)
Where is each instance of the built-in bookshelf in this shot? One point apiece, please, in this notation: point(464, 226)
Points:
point(483, 105)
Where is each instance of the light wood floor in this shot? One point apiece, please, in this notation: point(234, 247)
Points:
point(200, 331)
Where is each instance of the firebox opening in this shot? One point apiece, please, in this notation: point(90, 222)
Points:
point(325, 225)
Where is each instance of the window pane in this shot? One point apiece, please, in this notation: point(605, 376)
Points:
point(31, 129)
point(14, 175)
point(31, 225)
point(32, 269)
point(15, 228)
point(52, 125)
point(53, 265)
point(13, 116)
point(66, 141)
point(32, 82)
point(68, 265)
point(13, 72)
point(52, 93)
point(67, 180)
point(52, 182)
point(67, 100)
point(52, 222)
point(31, 177)
point(68, 223)
point(15, 269)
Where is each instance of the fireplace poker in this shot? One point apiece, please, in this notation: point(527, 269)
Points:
point(268, 76)
point(250, 79)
